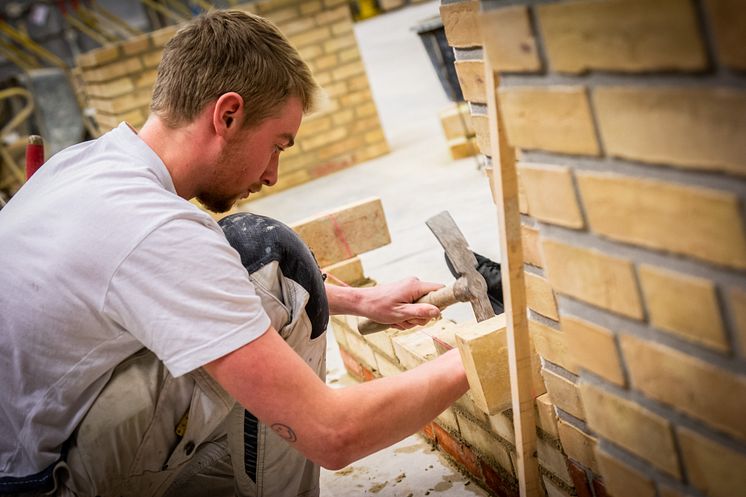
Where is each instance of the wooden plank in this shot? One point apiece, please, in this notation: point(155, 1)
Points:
point(345, 232)
point(505, 179)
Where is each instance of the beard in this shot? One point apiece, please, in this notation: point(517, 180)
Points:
point(217, 202)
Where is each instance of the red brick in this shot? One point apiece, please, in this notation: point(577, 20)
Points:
point(579, 479)
point(496, 483)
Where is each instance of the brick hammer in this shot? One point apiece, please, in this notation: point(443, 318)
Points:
point(470, 286)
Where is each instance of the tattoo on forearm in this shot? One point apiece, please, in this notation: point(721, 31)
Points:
point(285, 432)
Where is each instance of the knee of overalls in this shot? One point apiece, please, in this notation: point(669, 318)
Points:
point(279, 264)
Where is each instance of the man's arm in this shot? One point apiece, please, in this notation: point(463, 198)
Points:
point(389, 303)
point(334, 427)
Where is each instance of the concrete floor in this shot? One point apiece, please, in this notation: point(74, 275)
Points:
point(417, 180)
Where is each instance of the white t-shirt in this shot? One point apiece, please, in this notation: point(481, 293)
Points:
point(98, 258)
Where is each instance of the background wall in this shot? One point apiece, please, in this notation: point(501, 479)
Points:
point(117, 80)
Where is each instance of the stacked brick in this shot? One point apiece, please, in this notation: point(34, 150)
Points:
point(629, 119)
point(118, 82)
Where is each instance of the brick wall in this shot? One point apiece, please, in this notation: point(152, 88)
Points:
point(117, 81)
point(629, 119)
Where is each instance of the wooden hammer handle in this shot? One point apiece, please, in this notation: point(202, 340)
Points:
point(440, 298)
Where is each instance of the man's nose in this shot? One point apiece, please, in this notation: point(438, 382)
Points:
point(270, 176)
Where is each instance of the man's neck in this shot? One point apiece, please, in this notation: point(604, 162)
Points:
point(182, 150)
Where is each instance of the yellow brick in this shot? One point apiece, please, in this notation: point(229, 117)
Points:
point(413, 349)
point(471, 79)
point(345, 232)
point(509, 42)
point(333, 15)
point(531, 246)
point(698, 128)
point(313, 126)
point(632, 427)
point(484, 442)
point(737, 305)
point(502, 425)
point(99, 56)
point(688, 384)
point(557, 119)
point(386, 367)
point(145, 79)
point(462, 147)
point(551, 194)
point(687, 220)
point(136, 45)
point(553, 460)
point(540, 297)
point(553, 489)
point(578, 445)
point(713, 468)
point(309, 52)
point(307, 8)
point(161, 36)
point(279, 15)
point(349, 271)
point(310, 37)
point(296, 26)
point(621, 479)
point(563, 393)
point(356, 98)
point(592, 276)
point(152, 59)
point(111, 71)
point(340, 43)
point(456, 121)
point(546, 418)
point(342, 28)
point(110, 89)
point(483, 350)
point(728, 20)
point(460, 23)
point(593, 348)
point(348, 70)
point(447, 419)
point(387, 5)
point(358, 347)
point(683, 305)
point(552, 345)
point(622, 35)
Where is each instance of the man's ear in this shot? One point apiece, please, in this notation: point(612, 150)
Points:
point(228, 113)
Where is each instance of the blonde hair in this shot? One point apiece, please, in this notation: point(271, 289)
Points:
point(229, 51)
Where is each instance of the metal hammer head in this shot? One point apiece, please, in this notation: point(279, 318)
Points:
point(450, 237)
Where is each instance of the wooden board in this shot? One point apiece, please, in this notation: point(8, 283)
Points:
point(505, 180)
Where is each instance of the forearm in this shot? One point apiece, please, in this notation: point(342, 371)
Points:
point(379, 413)
point(344, 299)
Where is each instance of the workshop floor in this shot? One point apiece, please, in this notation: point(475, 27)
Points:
point(417, 180)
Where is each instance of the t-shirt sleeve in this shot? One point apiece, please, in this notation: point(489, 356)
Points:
point(184, 294)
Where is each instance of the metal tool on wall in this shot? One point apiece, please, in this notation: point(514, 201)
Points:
point(470, 285)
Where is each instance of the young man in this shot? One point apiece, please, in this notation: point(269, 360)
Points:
point(134, 335)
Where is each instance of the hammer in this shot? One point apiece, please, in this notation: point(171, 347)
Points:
point(470, 285)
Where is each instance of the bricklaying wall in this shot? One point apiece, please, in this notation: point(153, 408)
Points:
point(629, 120)
point(118, 79)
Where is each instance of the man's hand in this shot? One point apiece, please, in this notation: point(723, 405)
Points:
point(389, 303)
